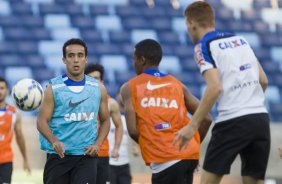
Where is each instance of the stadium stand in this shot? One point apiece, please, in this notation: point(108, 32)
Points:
point(32, 33)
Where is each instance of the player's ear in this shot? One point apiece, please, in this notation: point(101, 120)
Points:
point(143, 60)
point(64, 60)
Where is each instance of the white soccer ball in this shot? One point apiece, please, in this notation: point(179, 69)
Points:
point(27, 94)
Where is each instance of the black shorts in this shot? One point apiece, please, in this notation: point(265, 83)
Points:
point(180, 173)
point(248, 136)
point(6, 170)
point(103, 170)
point(74, 169)
point(120, 174)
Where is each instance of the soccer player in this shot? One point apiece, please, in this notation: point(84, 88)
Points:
point(119, 167)
point(236, 80)
point(156, 106)
point(103, 168)
point(68, 123)
point(10, 123)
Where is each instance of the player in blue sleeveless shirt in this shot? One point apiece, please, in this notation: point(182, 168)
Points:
point(67, 120)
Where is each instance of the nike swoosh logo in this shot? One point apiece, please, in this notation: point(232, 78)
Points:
point(71, 104)
point(30, 107)
point(156, 86)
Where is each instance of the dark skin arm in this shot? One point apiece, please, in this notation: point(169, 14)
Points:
point(130, 115)
point(192, 103)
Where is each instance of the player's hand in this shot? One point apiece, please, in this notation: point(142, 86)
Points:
point(183, 136)
point(92, 150)
point(280, 151)
point(59, 148)
point(115, 153)
point(26, 167)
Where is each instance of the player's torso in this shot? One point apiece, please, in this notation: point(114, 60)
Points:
point(160, 112)
point(7, 122)
point(74, 119)
point(239, 74)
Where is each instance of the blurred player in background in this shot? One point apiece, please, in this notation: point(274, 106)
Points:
point(119, 167)
point(10, 122)
point(156, 107)
point(68, 123)
point(236, 80)
point(103, 168)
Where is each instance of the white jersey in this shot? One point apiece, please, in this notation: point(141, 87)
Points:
point(239, 73)
point(123, 150)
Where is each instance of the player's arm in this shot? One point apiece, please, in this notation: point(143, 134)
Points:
point(130, 115)
point(21, 141)
point(192, 103)
point(115, 115)
point(213, 90)
point(104, 124)
point(280, 151)
point(104, 116)
point(45, 114)
point(262, 78)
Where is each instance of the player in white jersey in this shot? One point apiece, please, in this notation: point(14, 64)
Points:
point(119, 167)
point(234, 79)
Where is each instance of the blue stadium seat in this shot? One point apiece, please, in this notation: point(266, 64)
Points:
point(21, 73)
point(1, 34)
point(83, 22)
point(259, 4)
point(39, 1)
point(238, 25)
point(252, 38)
point(35, 61)
point(43, 74)
point(260, 27)
point(5, 8)
point(32, 22)
point(120, 37)
point(140, 34)
point(189, 65)
point(276, 53)
point(63, 34)
point(250, 15)
point(99, 9)
point(40, 34)
point(70, 9)
point(103, 48)
point(127, 11)
point(27, 47)
point(21, 9)
point(271, 67)
point(18, 34)
point(160, 24)
point(56, 20)
point(8, 48)
point(168, 37)
point(127, 49)
point(130, 23)
point(112, 89)
point(272, 95)
point(7, 60)
point(262, 54)
point(55, 63)
point(108, 23)
point(156, 12)
point(168, 49)
point(114, 63)
point(10, 21)
point(179, 25)
point(184, 51)
point(91, 35)
point(275, 112)
point(122, 77)
point(170, 64)
point(47, 48)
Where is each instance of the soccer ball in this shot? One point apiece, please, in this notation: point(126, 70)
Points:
point(27, 94)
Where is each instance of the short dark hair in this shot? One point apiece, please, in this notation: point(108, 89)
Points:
point(201, 12)
point(2, 79)
point(149, 49)
point(95, 67)
point(74, 41)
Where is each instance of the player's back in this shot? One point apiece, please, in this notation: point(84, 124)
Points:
point(239, 73)
point(160, 112)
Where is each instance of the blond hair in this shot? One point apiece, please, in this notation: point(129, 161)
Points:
point(201, 12)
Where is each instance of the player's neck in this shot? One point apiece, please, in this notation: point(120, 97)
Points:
point(76, 78)
point(2, 104)
point(204, 31)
